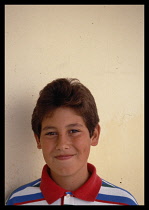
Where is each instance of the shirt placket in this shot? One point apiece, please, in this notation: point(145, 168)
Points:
point(68, 199)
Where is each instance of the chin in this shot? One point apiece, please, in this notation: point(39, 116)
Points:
point(65, 171)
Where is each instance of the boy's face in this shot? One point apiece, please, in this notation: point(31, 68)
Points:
point(65, 142)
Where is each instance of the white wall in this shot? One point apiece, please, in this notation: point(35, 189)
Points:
point(101, 45)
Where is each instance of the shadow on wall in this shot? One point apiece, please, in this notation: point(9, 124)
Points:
point(23, 160)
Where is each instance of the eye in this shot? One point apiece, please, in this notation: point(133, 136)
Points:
point(74, 131)
point(51, 134)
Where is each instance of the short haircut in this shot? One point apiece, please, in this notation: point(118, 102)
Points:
point(65, 92)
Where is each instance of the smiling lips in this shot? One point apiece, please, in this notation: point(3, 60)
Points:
point(64, 157)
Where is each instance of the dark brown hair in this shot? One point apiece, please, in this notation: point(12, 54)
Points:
point(67, 93)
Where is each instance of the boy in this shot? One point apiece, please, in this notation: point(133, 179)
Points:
point(65, 123)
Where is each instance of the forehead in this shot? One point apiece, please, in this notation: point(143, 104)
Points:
point(63, 115)
point(61, 110)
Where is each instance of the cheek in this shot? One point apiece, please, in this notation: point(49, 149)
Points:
point(83, 145)
point(47, 151)
point(46, 147)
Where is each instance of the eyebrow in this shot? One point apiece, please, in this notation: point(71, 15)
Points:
point(67, 126)
point(48, 127)
point(74, 125)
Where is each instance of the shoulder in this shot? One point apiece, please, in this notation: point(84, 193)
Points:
point(112, 194)
point(23, 193)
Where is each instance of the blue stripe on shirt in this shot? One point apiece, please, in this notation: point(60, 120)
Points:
point(25, 198)
point(116, 199)
point(26, 185)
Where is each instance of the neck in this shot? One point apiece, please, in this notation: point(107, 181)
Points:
point(71, 182)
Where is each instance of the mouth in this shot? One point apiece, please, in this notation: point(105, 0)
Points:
point(64, 157)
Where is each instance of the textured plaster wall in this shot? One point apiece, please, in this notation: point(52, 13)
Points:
point(101, 45)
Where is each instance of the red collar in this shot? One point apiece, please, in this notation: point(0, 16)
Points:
point(87, 192)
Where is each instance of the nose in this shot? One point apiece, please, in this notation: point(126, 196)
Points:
point(62, 142)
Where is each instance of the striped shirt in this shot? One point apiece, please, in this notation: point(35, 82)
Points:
point(95, 191)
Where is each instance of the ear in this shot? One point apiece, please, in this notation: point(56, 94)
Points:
point(95, 136)
point(38, 141)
